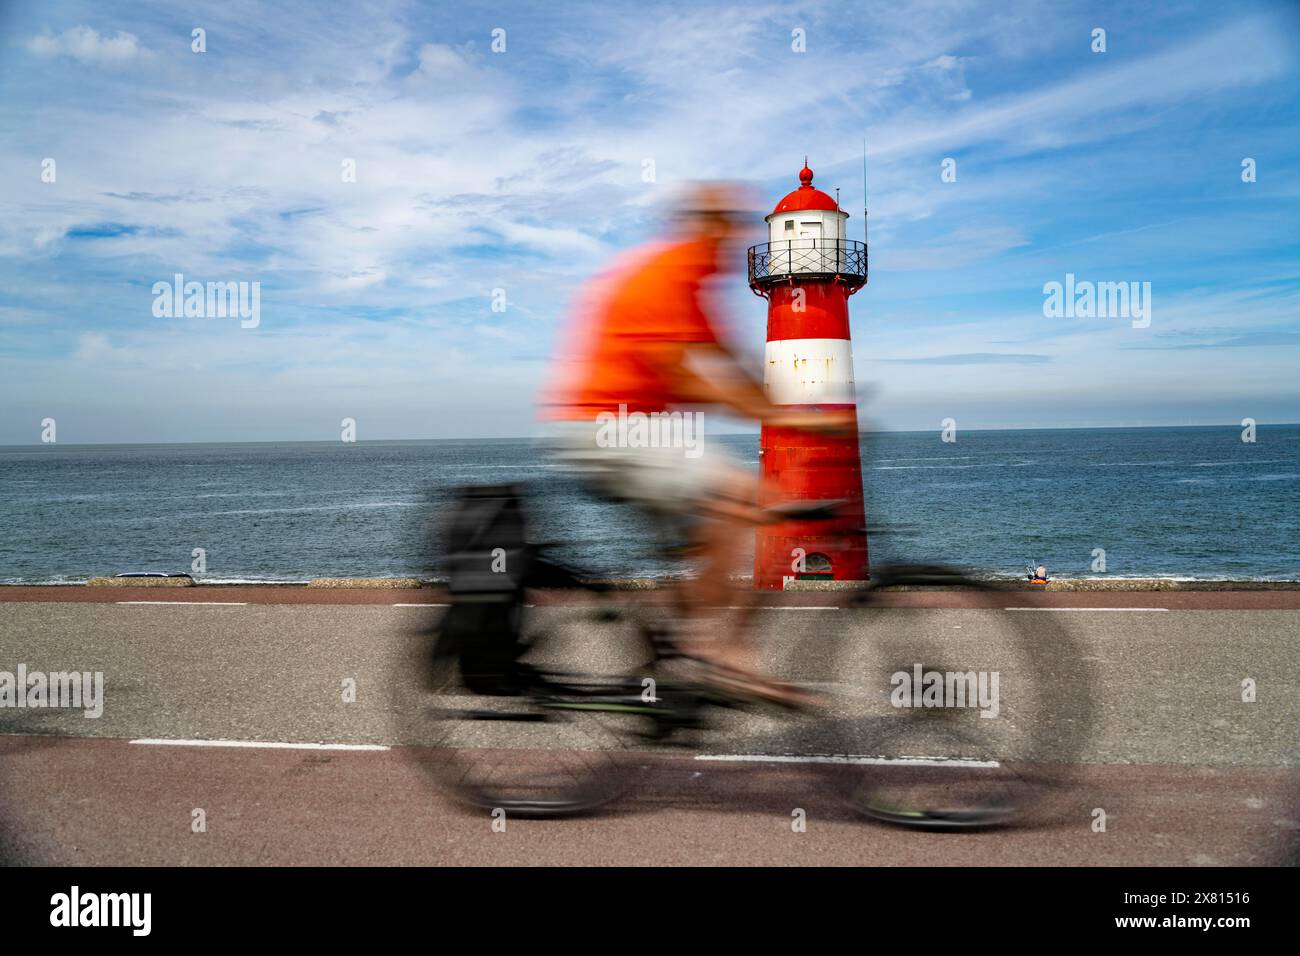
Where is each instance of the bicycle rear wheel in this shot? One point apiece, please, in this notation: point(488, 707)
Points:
point(566, 743)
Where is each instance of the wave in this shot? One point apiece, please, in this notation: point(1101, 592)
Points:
point(353, 506)
point(990, 464)
point(41, 582)
point(1126, 464)
point(1282, 476)
point(1220, 464)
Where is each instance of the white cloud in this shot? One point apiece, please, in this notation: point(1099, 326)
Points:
point(357, 280)
point(94, 348)
point(84, 43)
point(1248, 52)
point(961, 247)
point(439, 61)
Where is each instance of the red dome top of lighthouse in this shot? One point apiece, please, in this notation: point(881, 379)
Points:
point(805, 197)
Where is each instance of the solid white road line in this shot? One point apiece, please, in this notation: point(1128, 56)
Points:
point(254, 744)
point(1085, 609)
point(791, 607)
point(213, 603)
point(850, 759)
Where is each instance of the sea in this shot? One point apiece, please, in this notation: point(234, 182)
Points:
point(1179, 502)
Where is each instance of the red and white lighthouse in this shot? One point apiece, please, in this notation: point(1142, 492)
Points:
point(807, 270)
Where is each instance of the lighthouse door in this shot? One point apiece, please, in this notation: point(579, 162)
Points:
point(810, 231)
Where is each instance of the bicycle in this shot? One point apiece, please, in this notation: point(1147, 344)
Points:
point(557, 719)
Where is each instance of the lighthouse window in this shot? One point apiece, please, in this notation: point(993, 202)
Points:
point(789, 225)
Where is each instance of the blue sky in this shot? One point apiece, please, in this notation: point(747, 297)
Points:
point(522, 170)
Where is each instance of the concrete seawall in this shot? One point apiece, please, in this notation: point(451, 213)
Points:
point(650, 584)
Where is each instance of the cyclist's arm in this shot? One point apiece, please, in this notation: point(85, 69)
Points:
point(710, 374)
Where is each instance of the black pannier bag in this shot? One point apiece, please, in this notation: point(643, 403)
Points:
point(487, 563)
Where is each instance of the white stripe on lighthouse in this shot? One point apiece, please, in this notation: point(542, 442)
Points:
point(809, 372)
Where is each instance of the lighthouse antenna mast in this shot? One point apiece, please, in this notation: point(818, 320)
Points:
point(864, 191)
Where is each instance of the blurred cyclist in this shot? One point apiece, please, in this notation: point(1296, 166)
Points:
point(642, 347)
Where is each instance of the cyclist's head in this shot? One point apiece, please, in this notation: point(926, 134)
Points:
point(714, 210)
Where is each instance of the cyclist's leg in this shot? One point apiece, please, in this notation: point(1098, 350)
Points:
point(720, 499)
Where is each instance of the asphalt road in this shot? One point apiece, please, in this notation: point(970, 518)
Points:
point(1186, 772)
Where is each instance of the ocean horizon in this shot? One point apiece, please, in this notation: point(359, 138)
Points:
point(1188, 502)
point(535, 437)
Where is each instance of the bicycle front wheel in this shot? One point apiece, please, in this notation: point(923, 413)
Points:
point(957, 705)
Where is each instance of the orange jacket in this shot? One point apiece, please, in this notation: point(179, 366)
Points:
point(651, 296)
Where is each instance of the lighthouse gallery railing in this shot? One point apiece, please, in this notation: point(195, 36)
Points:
point(773, 261)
